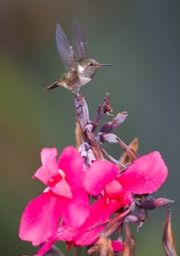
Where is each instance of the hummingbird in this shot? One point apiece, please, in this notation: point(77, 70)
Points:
point(79, 68)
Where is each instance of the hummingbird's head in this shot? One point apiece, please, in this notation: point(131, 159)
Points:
point(90, 66)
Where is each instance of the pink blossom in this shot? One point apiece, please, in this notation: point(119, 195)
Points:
point(63, 198)
point(145, 175)
point(61, 176)
point(99, 212)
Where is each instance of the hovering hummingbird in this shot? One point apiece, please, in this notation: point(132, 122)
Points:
point(80, 68)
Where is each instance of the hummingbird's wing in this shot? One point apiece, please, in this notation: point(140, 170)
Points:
point(79, 42)
point(65, 49)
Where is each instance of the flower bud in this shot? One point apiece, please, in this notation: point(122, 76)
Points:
point(119, 119)
point(109, 137)
point(150, 203)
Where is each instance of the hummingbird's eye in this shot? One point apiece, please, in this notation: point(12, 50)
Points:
point(91, 64)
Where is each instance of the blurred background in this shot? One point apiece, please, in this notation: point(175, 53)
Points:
point(141, 39)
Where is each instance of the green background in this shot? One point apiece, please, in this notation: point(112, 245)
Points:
point(141, 39)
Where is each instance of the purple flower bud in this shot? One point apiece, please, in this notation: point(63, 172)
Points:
point(150, 203)
point(161, 202)
point(119, 119)
point(110, 138)
point(131, 218)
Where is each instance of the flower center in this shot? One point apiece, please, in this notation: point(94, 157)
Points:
point(56, 178)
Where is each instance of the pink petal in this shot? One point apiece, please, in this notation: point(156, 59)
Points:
point(114, 189)
point(62, 189)
point(145, 175)
point(75, 210)
point(95, 223)
point(62, 233)
point(99, 175)
point(71, 163)
point(40, 218)
point(125, 199)
point(45, 248)
point(65, 233)
point(49, 165)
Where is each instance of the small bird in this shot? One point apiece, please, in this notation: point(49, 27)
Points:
point(80, 68)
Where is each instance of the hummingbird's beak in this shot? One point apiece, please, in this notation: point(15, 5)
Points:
point(106, 65)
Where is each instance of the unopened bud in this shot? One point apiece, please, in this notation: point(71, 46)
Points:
point(129, 244)
point(148, 203)
point(161, 202)
point(139, 219)
point(119, 119)
point(131, 218)
point(109, 137)
point(109, 126)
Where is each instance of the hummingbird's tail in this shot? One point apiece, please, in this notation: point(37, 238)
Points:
point(52, 86)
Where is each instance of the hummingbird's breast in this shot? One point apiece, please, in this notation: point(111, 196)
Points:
point(82, 75)
point(75, 78)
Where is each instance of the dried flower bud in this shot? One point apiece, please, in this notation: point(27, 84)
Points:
point(168, 238)
point(103, 247)
point(129, 244)
point(134, 145)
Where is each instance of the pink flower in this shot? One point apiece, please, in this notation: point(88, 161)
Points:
point(97, 176)
point(63, 198)
point(99, 212)
point(143, 176)
point(66, 197)
point(97, 179)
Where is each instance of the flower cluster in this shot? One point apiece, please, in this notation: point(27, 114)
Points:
point(78, 201)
